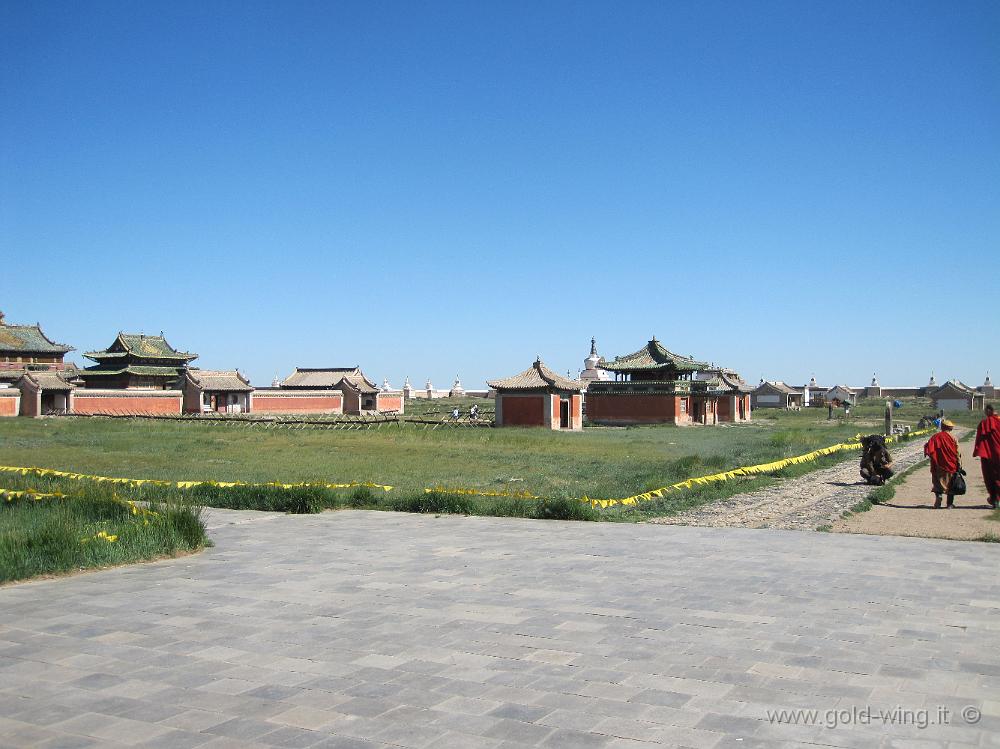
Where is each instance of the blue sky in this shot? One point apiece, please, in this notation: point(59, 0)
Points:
point(441, 188)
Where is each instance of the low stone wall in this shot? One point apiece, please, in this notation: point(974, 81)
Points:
point(10, 402)
point(94, 402)
point(277, 401)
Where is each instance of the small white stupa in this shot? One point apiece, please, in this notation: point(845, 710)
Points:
point(457, 391)
point(932, 383)
point(590, 364)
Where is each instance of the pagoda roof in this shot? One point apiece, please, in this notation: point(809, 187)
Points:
point(955, 386)
point(140, 346)
point(48, 381)
point(219, 380)
point(654, 356)
point(359, 383)
point(536, 377)
point(135, 369)
point(328, 378)
point(734, 382)
point(28, 339)
point(778, 385)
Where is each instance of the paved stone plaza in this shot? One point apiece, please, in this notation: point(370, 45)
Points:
point(361, 629)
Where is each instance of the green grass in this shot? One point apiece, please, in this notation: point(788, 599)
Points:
point(59, 535)
point(598, 463)
point(441, 408)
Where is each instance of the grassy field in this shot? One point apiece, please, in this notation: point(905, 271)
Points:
point(94, 525)
point(599, 462)
point(90, 528)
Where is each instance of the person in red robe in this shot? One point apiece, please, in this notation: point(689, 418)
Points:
point(942, 449)
point(988, 451)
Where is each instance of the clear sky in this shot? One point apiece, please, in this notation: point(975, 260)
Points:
point(427, 189)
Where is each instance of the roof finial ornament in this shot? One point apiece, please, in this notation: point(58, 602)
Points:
point(593, 342)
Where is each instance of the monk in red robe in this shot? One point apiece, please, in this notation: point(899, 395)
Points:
point(942, 449)
point(988, 451)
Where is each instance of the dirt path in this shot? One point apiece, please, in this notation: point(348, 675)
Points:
point(911, 512)
point(803, 503)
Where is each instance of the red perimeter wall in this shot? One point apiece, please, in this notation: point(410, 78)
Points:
point(316, 404)
point(390, 402)
point(144, 405)
point(523, 410)
point(632, 409)
point(9, 406)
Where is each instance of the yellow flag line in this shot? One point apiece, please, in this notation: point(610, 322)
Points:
point(179, 484)
point(743, 471)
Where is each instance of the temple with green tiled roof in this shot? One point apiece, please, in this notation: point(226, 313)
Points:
point(137, 361)
point(26, 347)
point(655, 386)
point(654, 362)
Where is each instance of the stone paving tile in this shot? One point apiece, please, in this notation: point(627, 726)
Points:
point(370, 630)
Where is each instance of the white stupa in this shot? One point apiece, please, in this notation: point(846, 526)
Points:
point(591, 371)
point(457, 391)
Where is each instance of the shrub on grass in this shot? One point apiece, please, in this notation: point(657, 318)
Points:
point(90, 529)
point(298, 500)
point(684, 466)
point(563, 508)
point(434, 502)
point(361, 496)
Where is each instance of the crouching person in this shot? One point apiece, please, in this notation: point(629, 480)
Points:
point(876, 463)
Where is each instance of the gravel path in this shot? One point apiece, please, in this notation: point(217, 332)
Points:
point(803, 503)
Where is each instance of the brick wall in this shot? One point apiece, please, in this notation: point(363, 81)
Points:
point(523, 410)
point(10, 405)
point(290, 402)
point(633, 409)
point(138, 402)
point(390, 403)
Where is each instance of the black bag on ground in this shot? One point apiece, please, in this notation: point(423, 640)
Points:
point(957, 485)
